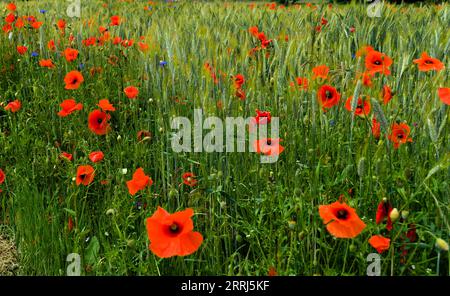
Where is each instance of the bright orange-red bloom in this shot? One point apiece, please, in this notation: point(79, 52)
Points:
point(22, 49)
point(268, 146)
point(383, 212)
point(73, 80)
point(14, 106)
point(302, 82)
point(85, 175)
point(320, 72)
point(427, 63)
point(380, 243)
point(51, 45)
point(362, 108)
point(172, 234)
point(254, 31)
point(105, 105)
point(69, 106)
point(377, 62)
point(2, 176)
point(19, 23)
point(376, 128)
point(239, 80)
point(131, 92)
point(328, 96)
point(143, 46)
point(444, 95)
point(342, 220)
point(46, 63)
point(98, 122)
point(70, 54)
point(66, 155)
point(10, 18)
point(387, 94)
point(115, 20)
point(96, 156)
point(139, 181)
point(11, 6)
point(400, 134)
point(189, 179)
point(367, 79)
point(36, 25)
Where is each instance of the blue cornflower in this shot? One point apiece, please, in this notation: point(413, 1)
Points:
point(42, 11)
point(162, 63)
point(34, 54)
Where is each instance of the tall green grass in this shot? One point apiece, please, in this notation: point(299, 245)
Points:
point(252, 216)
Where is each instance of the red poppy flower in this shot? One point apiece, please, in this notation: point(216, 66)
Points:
point(262, 117)
point(131, 92)
point(268, 146)
point(65, 155)
point(254, 31)
point(36, 25)
point(328, 96)
point(73, 80)
point(239, 80)
point(11, 6)
point(411, 234)
point(69, 106)
point(367, 79)
point(265, 43)
point(380, 243)
point(383, 211)
point(61, 24)
point(115, 20)
point(143, 46)
point(341, 220)
point(139, 181)
point(172, 234)
point(85, 175)
point(399, 134)
point(362, 108)
point(105, 105)
point(272, 271)
point(427, 63)
point(7, 28)
point(10, 18)
point(46, 63)
point(98, 122)
point(2, 176)
point(376, 128)
point(387, 94)
point(377, 62)
point(444, 95)
point(22, 49)
point(14, 106)
point(51, 45)
point(323, 21)
point(320, 72)
point(302, 82)
point(96, 156)
point(70, 54)
point(189, 179)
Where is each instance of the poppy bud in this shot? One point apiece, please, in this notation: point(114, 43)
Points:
point(301, 235)
point(161, 129)
point(173, 193)
point(394, 214)
point(405, 214)
point(352, 248)
point(292, 224)
point(131, 243)
point(441, 245)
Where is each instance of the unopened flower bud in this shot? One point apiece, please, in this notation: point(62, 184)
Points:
point(441, 245)
point(394, 215)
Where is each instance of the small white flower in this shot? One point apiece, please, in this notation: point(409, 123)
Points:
point(119, 137)
point(124, 171)
point(10, 36)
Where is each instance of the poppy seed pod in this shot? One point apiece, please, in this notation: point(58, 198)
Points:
point(441, 245)
point(405, 214)
point(394, 215)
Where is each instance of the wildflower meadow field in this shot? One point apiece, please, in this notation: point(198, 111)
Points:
point(224, 138)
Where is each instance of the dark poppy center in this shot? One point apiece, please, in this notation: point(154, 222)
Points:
point(400, 136)
point(429, 62)
point(342, 214)
point(174, 228)
point(74, 80)
point(377, 62)
point(82, 176)
point(99, 120)
point(328, 94)
point(269, 142)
